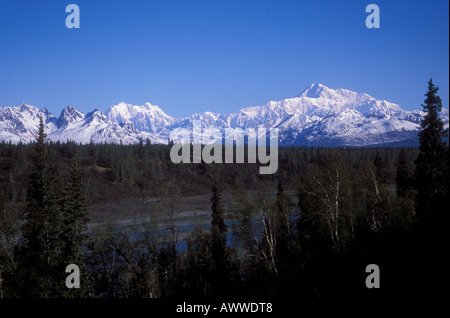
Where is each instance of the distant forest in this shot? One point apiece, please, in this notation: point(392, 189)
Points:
point(353, 207)
point(110, 171)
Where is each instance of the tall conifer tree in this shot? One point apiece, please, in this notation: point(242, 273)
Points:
point(75, 216)
point(402, 175)
point(41, 269)
point(219, 241)
point(432, 163)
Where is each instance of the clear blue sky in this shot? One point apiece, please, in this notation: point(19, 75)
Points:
point(191, 55)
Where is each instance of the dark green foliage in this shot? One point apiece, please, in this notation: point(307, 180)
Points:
point(53, 231)
point(380, 172)
point(403, 176)
point(111, 171)
point(284, 225)
point(199, 265)
point(432, 163)
point(218, 240)
point(41, 266)
point(244, 214)
point(404, 180)
point(170, 194)
point(75, 216)
point(9, 226)
point(218, 227)
point(432, 189)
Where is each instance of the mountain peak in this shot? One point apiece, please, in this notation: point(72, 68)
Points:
point(69, 115)
point(69, 110)
point(146, 117)
point(25, 106)
point(125, 108)
point(314, 90)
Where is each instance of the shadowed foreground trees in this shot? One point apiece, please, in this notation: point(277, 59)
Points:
point(75, 216)
point(265, 244)
point(41, 267)
point(53, 232)
point(432, 163)
point(218, 241)
point(432, 188)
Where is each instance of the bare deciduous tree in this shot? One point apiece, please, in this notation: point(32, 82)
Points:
point(267, 246)
point(326, 193)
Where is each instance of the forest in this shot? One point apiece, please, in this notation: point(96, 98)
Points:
point(306, 232)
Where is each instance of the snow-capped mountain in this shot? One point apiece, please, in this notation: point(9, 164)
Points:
point(317, 116)
point(21, 123)
point(147, 117)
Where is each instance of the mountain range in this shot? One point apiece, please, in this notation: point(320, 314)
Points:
point(319, 116)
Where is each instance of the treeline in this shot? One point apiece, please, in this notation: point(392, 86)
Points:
point(110, 171)
point(352, 208)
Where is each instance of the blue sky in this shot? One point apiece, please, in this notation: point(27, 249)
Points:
point(191, 55)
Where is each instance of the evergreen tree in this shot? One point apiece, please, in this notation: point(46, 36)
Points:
point(75, 217)
point(380, 170)
point(41, 269)
point(404, 212)
point(243, 231)
point(402, 176)
point(218, 240)
point(432, 197)
point(8, 232)
point(218, 227)
point(432, 163)
point(198, 263)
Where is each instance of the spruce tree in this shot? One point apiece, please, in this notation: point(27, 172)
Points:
point(41, 269)
point(75, 216)
point(218, 241)
point(403, 177)
point(218, 227)
point(404, 203)
point(8, 232)
point(432, 163)
point(380, 171)
point(432, 197)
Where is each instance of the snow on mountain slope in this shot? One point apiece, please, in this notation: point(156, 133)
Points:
point(68, 115)
point(146, 117)
point(317, 116)
point(20, 124)
point(96, 127)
